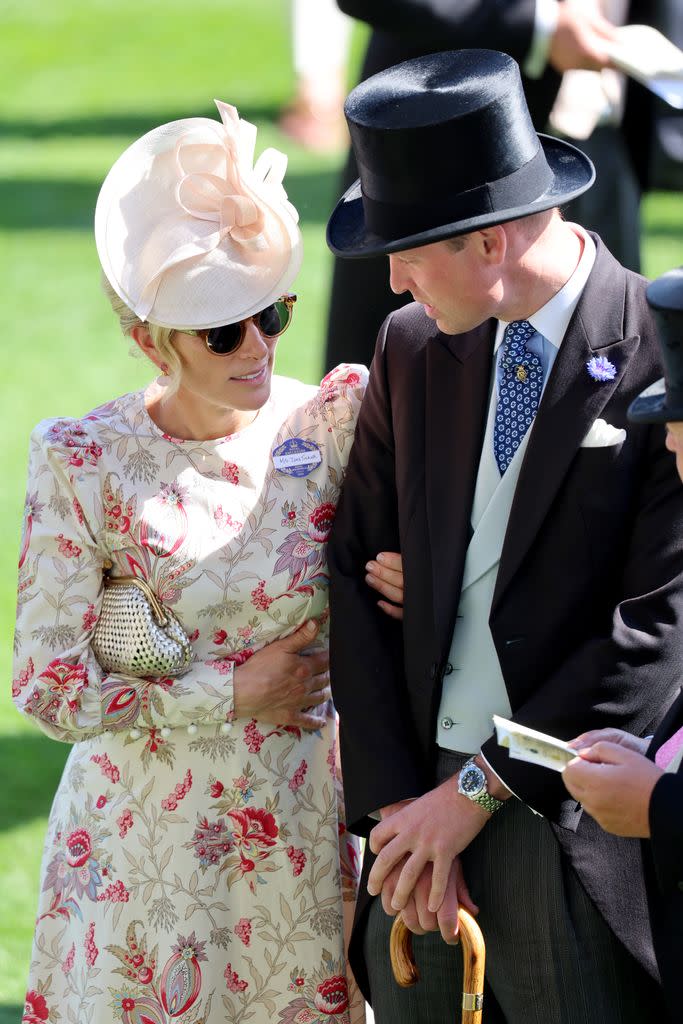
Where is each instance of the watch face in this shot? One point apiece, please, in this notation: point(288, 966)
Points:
point(472, 781)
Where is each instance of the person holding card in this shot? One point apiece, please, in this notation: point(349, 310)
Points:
point(542, 552)
point(632, 785)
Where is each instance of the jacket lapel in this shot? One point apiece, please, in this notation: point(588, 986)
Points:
point(571, 402)
point(458, 374)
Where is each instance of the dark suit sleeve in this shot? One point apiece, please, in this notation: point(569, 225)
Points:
point(506, 25)
point(666, 832)
point(623, 676)
point(368, 684)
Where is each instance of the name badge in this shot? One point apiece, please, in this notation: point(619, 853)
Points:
point(296, 457)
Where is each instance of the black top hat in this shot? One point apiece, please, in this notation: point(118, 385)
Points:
point(445, 145)
point(663, 400)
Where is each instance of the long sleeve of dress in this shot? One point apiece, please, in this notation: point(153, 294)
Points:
point(56, 679)
point(65, 544)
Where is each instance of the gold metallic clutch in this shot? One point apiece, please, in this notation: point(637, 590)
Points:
point(135, 634)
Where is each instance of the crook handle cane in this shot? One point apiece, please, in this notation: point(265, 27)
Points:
point(474, 959)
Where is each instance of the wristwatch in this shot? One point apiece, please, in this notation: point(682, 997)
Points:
point(472, 784)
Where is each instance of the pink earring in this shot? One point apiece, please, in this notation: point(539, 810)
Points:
point(164, 368)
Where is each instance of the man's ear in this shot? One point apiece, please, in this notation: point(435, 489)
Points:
point(143, 339)
point(493, 244)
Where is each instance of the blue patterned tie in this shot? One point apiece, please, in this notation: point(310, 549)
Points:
point(518, 394)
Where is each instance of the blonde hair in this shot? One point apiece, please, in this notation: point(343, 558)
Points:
point(161, 336)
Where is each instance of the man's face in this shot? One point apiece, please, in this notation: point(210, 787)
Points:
point(455, 287)
point(674, 442)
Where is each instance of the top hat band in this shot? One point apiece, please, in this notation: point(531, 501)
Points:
point(521, 187)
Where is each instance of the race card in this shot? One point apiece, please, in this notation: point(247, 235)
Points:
point(535, 747)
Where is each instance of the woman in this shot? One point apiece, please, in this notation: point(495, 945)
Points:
point(632, 785)
point(196, 853)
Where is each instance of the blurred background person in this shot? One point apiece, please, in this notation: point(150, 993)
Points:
point(320, 49)
point(632, 785)
point(548, 39)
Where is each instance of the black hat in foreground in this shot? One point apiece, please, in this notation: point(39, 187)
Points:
point(445, 145)
point(663, 401)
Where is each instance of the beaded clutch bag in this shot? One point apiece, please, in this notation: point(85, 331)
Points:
point(135, 634)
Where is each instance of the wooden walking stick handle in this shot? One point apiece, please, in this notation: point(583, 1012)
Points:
point(474, 960)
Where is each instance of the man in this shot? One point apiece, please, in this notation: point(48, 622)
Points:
point(631, 785)
point(542, 557)
point(547, 38)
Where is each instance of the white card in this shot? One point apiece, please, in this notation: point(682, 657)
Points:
point(535, 747)
point(651, 58)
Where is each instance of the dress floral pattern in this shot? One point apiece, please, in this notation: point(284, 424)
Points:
point(195, 863)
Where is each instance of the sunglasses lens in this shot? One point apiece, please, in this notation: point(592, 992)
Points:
point(273, 319)
point(225, 339)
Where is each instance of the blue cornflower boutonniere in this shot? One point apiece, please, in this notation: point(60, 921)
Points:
point(600, 369)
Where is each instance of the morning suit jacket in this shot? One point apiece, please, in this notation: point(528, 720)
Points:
point(663, 856)
point(586, 614)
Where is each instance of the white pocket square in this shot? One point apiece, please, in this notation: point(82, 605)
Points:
point(603, 435)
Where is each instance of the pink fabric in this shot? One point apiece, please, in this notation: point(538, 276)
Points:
point(668, 750)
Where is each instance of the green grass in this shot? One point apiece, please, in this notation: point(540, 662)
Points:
point(79, 81)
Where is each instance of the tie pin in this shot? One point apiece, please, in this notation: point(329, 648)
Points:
point(521, 373)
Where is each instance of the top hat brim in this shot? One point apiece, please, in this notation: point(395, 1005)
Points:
point(348, 235)
point(654, 405)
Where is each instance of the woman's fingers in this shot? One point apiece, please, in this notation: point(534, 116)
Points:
point(391, 560)
point(384, 578)
point(385, 575)
point(300, 639)
point(315, 663)
point(321, 696)
point(394, 611)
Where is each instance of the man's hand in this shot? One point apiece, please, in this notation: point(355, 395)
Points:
point(385, 575)
point(582, 38)
point(614, 785)
point(617, 736)
point(428, 832)
point(416, 914)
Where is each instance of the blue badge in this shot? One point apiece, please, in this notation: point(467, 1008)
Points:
point(296, 457)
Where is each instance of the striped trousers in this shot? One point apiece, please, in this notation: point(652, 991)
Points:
point(550, 957)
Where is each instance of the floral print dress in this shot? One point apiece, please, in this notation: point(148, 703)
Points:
point(196, 865)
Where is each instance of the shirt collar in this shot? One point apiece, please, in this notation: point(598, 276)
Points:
point(553, 319)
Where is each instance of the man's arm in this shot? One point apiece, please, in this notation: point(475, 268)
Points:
point(626, 676)
point(378, 744)
point(666, 832)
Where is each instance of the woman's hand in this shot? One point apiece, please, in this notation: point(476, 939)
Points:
point(281, 686)
point(385, 575)
point(616, 736)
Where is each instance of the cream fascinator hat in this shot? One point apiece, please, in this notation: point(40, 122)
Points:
point(190, 232)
